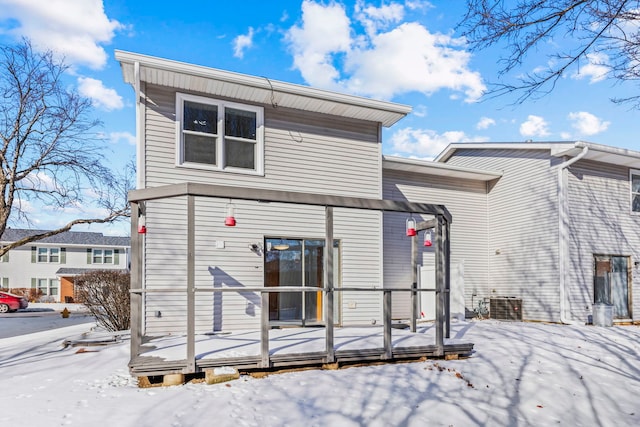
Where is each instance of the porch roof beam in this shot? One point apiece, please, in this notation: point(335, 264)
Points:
point(264, 195)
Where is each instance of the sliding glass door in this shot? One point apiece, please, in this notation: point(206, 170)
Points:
point(298, 263)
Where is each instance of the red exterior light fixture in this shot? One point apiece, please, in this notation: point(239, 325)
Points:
point(411, 227)
point(230, 218)
point(428, 238)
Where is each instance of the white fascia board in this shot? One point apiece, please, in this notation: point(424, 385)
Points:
point(551, 146)
point(437, 169)
point(396, 111)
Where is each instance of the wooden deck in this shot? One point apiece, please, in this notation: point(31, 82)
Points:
point(291, 347)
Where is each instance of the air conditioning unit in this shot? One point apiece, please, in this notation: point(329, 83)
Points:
point(505, 308)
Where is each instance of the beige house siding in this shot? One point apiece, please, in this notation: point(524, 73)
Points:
point(600, 222)
point(303, 152)
point(467, 201)
point(523, 227)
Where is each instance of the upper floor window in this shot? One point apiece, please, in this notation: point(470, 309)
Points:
point(5, 257)
point(102, 256)
point(219, 135)
point(635, 190)
point(51, 255)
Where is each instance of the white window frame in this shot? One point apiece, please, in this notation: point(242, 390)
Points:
point(48, 286)
point(102, 256)
point(220, 138)
point(4, 258)
point(632, 173)
point(49, 254)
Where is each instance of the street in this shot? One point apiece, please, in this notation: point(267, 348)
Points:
point(29, 321)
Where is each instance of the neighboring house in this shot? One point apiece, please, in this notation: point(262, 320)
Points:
point(555, 225)
point(51, 264)
point(563, 228)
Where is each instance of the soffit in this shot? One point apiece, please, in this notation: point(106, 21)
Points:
point(261, 90)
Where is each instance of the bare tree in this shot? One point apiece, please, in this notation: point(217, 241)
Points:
point(604, 33)
point(50, 150)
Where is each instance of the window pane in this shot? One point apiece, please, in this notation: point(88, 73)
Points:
point(97, 256)
point(240, 154)
point(54, 255)
point(43, 255)
point(199, 149)
point(54, 287)
point(239, 123)
point(108, 256)
point(636, 203)
point(200, 117)
point(635, 183)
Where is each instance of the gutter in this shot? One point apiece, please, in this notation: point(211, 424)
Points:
point(562, 232)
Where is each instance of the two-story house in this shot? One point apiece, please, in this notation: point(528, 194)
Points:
point(50, 265)
point(225, 161)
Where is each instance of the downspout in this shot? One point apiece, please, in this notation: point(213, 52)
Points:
point(562, 232)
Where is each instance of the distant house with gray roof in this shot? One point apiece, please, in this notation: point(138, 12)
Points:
point(51, 264)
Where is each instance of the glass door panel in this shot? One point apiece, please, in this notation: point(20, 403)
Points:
point(283, 267)
point(298, 262)
point(619, 287)
point(611, 284)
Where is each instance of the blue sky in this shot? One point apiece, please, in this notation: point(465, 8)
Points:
point(403, 51)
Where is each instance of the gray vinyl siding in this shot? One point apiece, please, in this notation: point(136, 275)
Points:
point(467, 202)
point(523, 227)
point(600, 222)
point(236, 266)
point(303, 152)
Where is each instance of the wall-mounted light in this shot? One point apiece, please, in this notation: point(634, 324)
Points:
point(255, 247)
point(411, 227)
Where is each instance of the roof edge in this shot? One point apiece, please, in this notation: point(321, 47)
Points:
point(439, 169)
point(259, 82)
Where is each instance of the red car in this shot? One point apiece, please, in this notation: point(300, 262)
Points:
point(10, 302)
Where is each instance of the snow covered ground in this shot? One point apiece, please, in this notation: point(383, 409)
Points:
point(520, 374)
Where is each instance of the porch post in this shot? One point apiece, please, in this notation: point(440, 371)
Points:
point(328, 284)
point(414, 282)
point(447, 275)
point(386, 304)
point(136, 282)
point(440, 283)
point(191, 295)
point(264, 330)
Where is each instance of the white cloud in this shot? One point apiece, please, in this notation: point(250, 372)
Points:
point(392, 58)
point(74, 29)
point(116, 137)
point(587, 124)
point(420, 111)
point(325, 31)
point(375, 18)
point(596, 69)
point(426, 142)
point(101, 96)
point(242, 43)
point(485, 122)
point(534, 126)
